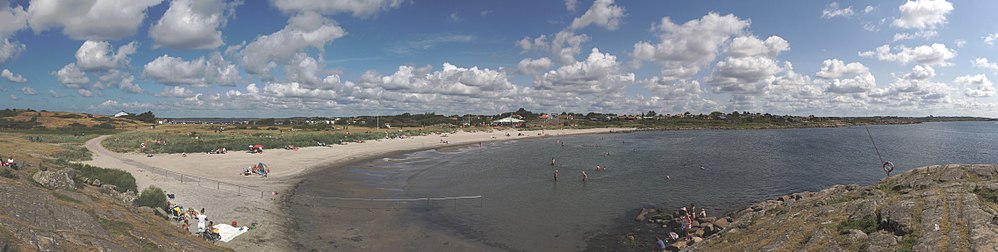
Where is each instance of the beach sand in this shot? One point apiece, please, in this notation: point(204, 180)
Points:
point(275, 228)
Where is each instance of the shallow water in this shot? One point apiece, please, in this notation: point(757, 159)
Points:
point(525, 209)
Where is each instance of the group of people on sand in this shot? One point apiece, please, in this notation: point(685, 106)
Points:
point(9, 162)
point(206, 228)
point(258, 169)
point(219, 151)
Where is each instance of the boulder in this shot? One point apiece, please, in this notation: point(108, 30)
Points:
point(676, 246)
point(159, 212)
point(641, 215)
point(881, 241)
point(699, 233)
point(695, 240)
point(952, 174)
point(109, 189)
point(854, 234)
point(61, 179)
point(95, 182)
point(721, 223)
point(897, 217)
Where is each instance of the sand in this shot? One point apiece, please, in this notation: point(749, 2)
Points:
point(257, 205)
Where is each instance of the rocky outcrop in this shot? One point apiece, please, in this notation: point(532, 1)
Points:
point(934, 208)
point(60, 179)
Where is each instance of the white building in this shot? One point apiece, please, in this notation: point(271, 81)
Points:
point(120, 114)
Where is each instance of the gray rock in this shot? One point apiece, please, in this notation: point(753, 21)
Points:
point(952, 175)
point(897, 217)
point(721, 223)
point(95, 182)
point(881, 241)
point(159, 212)
point(854, 234)
point(61, 179)
point(641, 215)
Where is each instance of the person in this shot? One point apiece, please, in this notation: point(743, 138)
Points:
point(661, 244)
point(703, 213)
point(693, 211)
point(552, 161)
point(584, 176)
point(201, 220)
point(556, 175)
point(186, 226)
point(597, 167)
point(687, 226)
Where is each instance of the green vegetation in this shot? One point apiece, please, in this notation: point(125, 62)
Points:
point(986, 194)
point(152, 197)
point(194, 142)
point(121, 179)
point(63, 197)
point(908, 243)
point(148, 117)
point(6, 173)
point(75, 153)
point(867, 225)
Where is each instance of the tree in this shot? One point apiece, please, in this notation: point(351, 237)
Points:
point(148, 117)
point(651, 113)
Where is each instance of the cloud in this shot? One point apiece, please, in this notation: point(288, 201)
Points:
point(832, 10)
point(984, 63)
point(127, 84)
point(28, 91)
point(97, 55)
point(485, 13)
point(868, 9)
point(845, 78)
point(959, 43)
point(200, 72)
point(603, 13)
point(747, 46)
point(454, 18)
point(925, 34)
point(564, 45)
point(935, 54)
point(923, 14)
point(10, 76)
point(599, 73)
point(89, 20)
point(750, 66)
point(303, 31)
point(533, 66)
point(990, 39)
point(413, 46)
point(175, 91)
point(71, 76)
point(84, 92)
point(10, 49)
point(359, 8)
point(682, 50)
point(571, 5)
point(12, 19)
point(976, 85)
point(55, 94)
point(192, 24)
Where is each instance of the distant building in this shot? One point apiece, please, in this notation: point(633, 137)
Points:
point(508, 121)
point(122, 113)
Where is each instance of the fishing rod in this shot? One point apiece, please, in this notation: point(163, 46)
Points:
point(887, 166)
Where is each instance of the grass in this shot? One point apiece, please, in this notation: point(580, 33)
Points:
point(63, 197)
point(75, 153)
point(986, 194)
point(867, 225)
point(238, 140)
point(908, 243)
point(6, 173)
point(121, 179)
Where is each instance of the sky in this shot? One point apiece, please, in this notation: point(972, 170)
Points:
point(283, 58)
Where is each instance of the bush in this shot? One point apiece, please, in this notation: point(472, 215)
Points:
point(6, 173)
point(121, 179)
point(152, 197)
point(867, 225)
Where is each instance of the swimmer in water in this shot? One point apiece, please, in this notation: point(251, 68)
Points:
point(584, 176)
point(555, 175)
point(701, 167)
point(552, 161)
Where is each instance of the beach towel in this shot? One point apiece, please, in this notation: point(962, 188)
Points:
point(229, 232)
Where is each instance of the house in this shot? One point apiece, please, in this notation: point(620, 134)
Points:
point(544, 116)
point(508, 121)
point(122, 113)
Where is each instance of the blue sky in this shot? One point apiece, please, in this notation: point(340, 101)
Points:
point(353, 57)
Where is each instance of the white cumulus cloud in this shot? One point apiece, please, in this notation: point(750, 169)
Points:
point(923, 14)
point(10, 76)
point(984, 63)
point(832, 10)
point(91, 19)
point(10, 49)
point(845, 78)
point(935, 54)
point(603, 13)
point(306, 30)
point(12, 19)
point(682, 50)
point(359, 8)
point(976, 85)
point(192, 24)
point(200, 72)
point(599, 73)
point(533, 66)
point(28, 91)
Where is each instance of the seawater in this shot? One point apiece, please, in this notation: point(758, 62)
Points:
point(525, 209)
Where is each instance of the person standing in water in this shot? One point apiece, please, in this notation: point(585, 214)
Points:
point(552, 161)
point(555, 174)
point(597, 167)
point(584, 176)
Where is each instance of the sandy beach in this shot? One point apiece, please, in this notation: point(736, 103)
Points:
point(274, 226)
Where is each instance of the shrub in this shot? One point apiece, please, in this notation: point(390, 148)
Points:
point(6, 173)
point(867, 225)
point(121, 179)
point(152, 197)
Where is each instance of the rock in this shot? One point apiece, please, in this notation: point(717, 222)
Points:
point(95, 182)
point(159, 212)
point(145, 209)
point(61, 179)
point(867, 209)
point(784, 198)
point(952, 175)
point(854, 234)
point(897, 217)
point(881, 241)
point(721, 223)
point(641, 215)
point(108, 189)
point(695, 240)
point(699, 233)
point(708, 219)
point(676, 246)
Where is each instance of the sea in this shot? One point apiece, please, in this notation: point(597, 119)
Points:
point(523, 208)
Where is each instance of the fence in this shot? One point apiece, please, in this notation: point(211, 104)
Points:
point(206, 182)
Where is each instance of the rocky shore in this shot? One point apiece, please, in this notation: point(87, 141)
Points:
point(934, 208)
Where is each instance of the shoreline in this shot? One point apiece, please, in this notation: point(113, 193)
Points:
point(290, 168)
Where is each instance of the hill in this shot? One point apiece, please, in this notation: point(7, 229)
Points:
point(66, 213)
